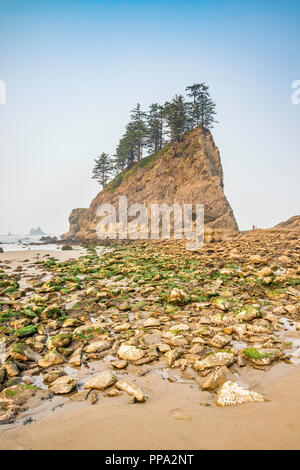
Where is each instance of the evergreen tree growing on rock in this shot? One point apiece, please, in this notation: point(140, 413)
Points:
point(193, 91)
point(138, 130)
point(125, 153)
point(176, 117)
point(155, 127)
point(102, 169)
point(201, 110)
point(173, 119)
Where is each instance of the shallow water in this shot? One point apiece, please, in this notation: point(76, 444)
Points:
point(23, 242)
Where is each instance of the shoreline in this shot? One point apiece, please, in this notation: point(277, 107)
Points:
point(20, 256)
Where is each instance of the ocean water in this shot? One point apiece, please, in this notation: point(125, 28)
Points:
point(22, 242)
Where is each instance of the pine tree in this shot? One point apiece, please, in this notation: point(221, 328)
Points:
point(190, 119)
point(125, 152)
point(102, 169)
point(119, 160)
point(207, 115)
point(175, 113)
point(194, 92)
point(138, 130)
point(201, 110)
point(131, 144)
point(155, 127)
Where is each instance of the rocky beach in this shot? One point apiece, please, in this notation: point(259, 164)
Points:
point(147, 345)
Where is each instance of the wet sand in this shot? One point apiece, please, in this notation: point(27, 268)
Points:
point(173, 419)
point(18, 257)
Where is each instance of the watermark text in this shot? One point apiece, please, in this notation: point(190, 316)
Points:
point(154, 221)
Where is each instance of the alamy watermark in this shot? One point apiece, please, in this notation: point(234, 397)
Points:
point(154, 221)
point(2, 352)
point(296, 94)
point(2, 92)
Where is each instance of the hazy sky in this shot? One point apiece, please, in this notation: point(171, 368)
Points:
point(74, 69)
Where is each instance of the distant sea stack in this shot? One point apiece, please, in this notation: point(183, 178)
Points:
point(37, 231)
point(195, 176)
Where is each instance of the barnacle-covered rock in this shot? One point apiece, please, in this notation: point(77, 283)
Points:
point(232, 394)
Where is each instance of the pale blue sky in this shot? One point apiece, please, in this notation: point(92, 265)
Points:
point(74, 69)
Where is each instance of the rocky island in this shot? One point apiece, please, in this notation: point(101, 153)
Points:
point(195, 175)
point(36, 231)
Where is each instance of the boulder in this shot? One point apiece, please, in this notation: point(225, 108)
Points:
point(22, 352)
point(60, 340)
point(53, 358)
point(220, 340)
point(130, 353)
point(63, 385)
point(151, 322)
point(178, 297)
point(132, 390)
point(101, 381)
point(248, 313)
point(232, 394)
point(221, 303)
point(261, 357)
point(11, 368)
point(216, 379)
point(214, 360)
point(52, 376)
point(75, 358)
point(98, 346)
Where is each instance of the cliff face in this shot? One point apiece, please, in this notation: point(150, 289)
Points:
point(292, 224)
point(74, 223)
point(195, 176)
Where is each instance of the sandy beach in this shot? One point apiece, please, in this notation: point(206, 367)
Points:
point(16, 258)
point(172, 419)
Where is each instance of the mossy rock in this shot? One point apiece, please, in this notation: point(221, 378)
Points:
point(66, 247)
point(82, 333)
point(17, 391)
point(25, 331)
point(52, 311)
point(60, 340)
point(65, 352)
point(13, 381)
point(253, 353)
point(22, 352)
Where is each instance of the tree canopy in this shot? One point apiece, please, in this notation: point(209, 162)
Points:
point(161, 124)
